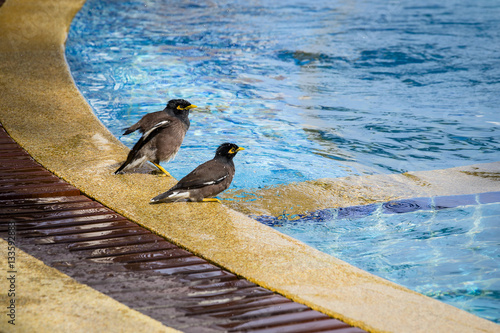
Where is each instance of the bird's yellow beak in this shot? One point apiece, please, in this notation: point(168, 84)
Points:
point(192, 106)
point(240, 148)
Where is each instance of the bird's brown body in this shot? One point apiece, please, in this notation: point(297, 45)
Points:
point(162, 135)
point(207, 180)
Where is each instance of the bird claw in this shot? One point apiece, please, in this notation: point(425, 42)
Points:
point(211, 200)
point(164, 173)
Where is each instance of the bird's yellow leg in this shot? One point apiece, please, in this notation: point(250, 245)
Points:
point(165, 172)
point(211, 200)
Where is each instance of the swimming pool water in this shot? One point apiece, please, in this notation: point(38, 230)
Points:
point(450, 254)
point(322, 89)
point(319, 89)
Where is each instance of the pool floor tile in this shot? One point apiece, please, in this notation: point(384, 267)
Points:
point(489, 197)
point(406, 206)
point(454, 201)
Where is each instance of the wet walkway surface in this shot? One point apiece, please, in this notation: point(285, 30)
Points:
point(95, 246)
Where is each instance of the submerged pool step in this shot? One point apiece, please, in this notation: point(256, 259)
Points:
point(112, 254)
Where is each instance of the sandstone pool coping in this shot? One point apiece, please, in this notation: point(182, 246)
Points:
point(44, 112)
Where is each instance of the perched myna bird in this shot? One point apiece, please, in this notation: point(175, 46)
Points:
point(162, 136)
point(207, 180)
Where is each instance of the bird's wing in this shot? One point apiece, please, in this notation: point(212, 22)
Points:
point(147, 121)
point(208, 173)
point(151, 133)
point(146, 137)
point(131, 129)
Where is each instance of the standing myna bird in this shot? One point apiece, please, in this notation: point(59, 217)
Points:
point(207, 180)
point(162, 136)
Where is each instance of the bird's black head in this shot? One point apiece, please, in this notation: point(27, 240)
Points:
point(228, 150)
point(180, 106)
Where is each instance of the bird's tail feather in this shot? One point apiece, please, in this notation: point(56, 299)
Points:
point(132, 162)
point(127, 131)
point(121, 168)
point(131, 129)
point(171, 196)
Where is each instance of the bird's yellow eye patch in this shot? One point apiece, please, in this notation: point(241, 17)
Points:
point(234, 151)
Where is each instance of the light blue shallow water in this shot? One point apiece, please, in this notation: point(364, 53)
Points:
point(321, 89)
point(448, 254)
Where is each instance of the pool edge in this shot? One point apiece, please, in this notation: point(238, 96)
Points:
point(60, 131)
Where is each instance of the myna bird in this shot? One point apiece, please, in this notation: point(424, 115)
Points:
point(162, 136)
point(207, 180)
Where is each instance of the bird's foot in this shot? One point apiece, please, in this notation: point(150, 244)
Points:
point(211, 200)
point(160, 173)
point(164, 173)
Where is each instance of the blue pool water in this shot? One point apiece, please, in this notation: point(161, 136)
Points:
point(326, 89)
point(321, 89)
point(444, 247)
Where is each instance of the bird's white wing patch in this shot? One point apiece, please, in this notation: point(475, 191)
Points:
point(158, 125)
point(212, 182)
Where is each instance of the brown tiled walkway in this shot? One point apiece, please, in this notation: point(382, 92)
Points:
point(94, 245)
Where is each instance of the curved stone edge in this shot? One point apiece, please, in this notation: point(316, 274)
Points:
point(43, 110)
